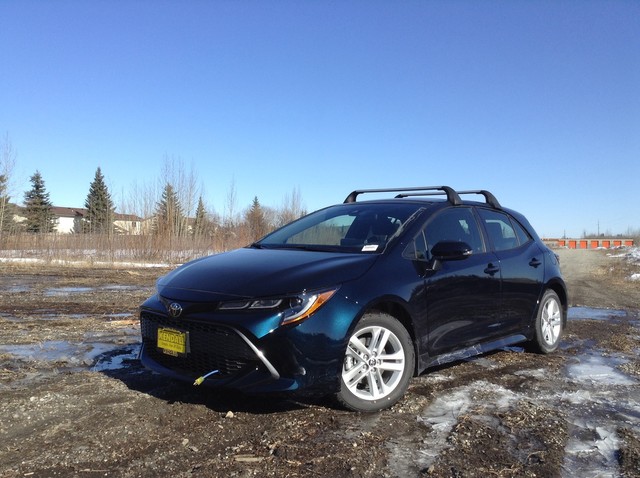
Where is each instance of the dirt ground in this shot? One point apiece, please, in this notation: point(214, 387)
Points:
point(75, 401)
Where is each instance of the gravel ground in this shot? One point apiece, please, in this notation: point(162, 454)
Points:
point(75, 401)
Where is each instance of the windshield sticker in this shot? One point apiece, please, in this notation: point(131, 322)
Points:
point(370, 248)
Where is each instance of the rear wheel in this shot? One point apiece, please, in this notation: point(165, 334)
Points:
point(549, 323)
point(378, 364)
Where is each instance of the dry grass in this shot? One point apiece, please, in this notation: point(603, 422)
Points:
point(100, 249)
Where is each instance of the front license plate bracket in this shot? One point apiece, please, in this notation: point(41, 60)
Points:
point(173, 341)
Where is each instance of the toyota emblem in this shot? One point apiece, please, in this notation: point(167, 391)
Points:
point(175, 309)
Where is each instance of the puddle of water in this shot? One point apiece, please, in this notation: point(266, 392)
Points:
point(121, 287)
point(16, 289)
point(120, 315)
point(59, 351)
point(123, 335)
point(591, 313)
point(97, 355)
point(57, 291)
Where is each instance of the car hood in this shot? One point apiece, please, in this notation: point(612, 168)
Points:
point(248, 272)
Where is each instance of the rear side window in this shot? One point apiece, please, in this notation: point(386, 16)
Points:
point(503, 232)
point(523, 235)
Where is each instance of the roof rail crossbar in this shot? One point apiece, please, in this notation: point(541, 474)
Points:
point(489, 198)
point(452, 196)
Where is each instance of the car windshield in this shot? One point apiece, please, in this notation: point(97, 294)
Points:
point(354, 227)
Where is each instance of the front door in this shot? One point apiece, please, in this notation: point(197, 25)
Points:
point(462, 296)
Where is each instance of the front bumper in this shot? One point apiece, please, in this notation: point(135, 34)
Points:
point(307, 356)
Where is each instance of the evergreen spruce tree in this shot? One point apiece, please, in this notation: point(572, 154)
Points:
point(256, 220)
point(100, 208)
point(200, 223)
point(39, 217)
point(169, 215)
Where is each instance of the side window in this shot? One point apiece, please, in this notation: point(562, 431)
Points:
point(455, 224)
point(416, 250)
point(523, 235)
point(500, 230)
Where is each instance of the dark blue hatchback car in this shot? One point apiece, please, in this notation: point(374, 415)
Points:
point(357, 298)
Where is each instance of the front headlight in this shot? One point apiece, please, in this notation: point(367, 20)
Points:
point(293, 308)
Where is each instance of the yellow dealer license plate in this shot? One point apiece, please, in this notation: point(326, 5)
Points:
point(173, 342)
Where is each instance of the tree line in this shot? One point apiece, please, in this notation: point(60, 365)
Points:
point(177, 211)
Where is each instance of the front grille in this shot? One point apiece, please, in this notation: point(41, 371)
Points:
point(212, 347)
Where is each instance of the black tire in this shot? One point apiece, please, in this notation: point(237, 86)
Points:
point(378, 364)
point(549, 324)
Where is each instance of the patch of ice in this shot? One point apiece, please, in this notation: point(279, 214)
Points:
point(592, 452)
point(443, 413)
point(579, 397)
point(598, 370)
point(539, 373)
point(445, 410)
point(436, 377)
point(111, 361)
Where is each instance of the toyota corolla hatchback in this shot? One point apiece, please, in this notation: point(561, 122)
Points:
point(355, 299)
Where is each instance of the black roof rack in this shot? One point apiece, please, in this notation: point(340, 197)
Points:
point(488, 197)
point(453, 196)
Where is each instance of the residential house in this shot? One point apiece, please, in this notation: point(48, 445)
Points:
point(68, 220)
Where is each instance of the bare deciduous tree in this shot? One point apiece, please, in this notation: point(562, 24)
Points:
point(7, 164)
point(185, 185)
point(292, 207)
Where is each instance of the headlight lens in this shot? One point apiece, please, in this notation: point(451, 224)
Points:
point(303, 306)
point(292, 308)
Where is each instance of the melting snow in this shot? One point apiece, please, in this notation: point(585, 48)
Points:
point(596, 398)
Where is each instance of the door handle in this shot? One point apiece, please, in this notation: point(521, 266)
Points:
point(491, 269)
point(535, 262)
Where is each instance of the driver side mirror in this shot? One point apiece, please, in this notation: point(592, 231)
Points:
point(451, 250)
point(448, 251)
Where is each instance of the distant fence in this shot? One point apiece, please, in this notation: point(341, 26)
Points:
point(604, 243)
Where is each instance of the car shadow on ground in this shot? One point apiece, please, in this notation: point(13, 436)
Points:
point(137, 377)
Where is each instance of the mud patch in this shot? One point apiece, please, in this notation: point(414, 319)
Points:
point(76, 402)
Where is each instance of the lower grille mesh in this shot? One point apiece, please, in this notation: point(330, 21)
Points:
point(212, 347)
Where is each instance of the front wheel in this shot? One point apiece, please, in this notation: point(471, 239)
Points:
point(378, 364)
point(549, 323)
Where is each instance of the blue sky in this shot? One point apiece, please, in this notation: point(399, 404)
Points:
point(537, 101)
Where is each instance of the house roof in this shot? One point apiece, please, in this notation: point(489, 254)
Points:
point(73, 212)
point(67, 211)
